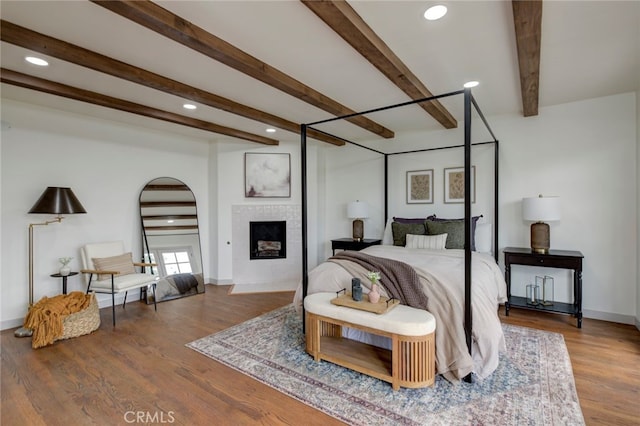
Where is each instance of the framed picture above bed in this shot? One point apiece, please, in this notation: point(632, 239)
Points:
point(267, 175)
point(454, 185)
point(420, 186)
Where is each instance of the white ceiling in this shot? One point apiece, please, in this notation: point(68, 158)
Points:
point(589, 49)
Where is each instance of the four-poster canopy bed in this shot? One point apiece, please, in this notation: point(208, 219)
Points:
point(488, 287)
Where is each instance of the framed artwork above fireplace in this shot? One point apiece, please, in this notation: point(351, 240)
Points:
point(267, 175)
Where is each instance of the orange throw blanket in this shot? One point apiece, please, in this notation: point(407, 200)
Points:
point(46, 317)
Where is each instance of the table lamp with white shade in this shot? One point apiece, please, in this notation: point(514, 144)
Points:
point(540, 210)
point(358, 210)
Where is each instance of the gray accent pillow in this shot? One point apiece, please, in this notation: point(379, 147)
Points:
point(400, 231)
point(454, 230)
point(474, 221)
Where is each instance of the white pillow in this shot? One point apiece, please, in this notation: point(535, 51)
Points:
point(434, 242)
point(483, 238)
point(387, 237)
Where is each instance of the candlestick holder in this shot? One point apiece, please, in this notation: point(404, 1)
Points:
point(547, 291)
point(533, 297)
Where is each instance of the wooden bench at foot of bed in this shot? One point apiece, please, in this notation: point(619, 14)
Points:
point(411, 361)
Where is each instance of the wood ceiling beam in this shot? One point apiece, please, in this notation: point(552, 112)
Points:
point(188, 34)
point(59, 89)
point(527, 19)
point(346, 22)
point(24, 37)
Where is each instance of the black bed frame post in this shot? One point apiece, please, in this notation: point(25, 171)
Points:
point(386, 189)
point(496, 205)
point(468, 319)
point(303, 182)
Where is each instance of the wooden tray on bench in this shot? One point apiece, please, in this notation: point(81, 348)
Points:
point(381, 307)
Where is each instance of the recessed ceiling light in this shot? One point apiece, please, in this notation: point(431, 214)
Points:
point(271, 130)
point(470, 84)
point(189, 106)
point(435, 12)
point(170, 221)
point(36, 61)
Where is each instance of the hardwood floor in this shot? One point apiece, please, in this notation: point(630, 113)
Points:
point(141, 372)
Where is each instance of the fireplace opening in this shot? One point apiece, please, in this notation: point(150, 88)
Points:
point(268, 240)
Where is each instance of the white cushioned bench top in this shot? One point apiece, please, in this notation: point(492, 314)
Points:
point(402, 320)
point(124, 282)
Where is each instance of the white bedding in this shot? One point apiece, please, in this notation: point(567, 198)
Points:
point(166, 288)
point(441, 273)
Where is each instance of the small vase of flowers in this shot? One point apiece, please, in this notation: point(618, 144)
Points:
point(65, 269)
point(374, 294)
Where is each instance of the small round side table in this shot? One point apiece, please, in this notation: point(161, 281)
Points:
point(64, 280)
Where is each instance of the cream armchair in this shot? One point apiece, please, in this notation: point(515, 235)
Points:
point(109, 269)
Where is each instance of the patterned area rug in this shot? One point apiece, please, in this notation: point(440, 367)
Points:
point(533, 385)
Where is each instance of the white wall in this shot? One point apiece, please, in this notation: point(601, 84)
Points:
point(227, 183)
point(351, 174)
point(230, 191)
point(638, 209)
point(584, 152)
point(212, 179)
point(106, 164)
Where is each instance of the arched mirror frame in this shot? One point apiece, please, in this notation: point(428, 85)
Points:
point(171, 238)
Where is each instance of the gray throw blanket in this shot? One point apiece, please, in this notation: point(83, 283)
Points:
point(399, 279)
point(184, 282)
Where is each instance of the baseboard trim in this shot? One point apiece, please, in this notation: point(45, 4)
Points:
point(223, 281)
point(12, 323)
point(611, 317)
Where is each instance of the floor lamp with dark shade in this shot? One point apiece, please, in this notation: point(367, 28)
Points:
point(54, 200)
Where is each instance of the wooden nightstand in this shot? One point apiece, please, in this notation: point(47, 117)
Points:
point(350, 244)
point(564, 259)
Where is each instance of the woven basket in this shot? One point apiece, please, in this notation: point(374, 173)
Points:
point(83, 322)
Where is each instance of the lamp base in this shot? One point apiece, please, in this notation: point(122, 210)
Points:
point(358, 230)
point(23, 332)
point(540, 238)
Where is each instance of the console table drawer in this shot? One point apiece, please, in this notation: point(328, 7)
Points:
point(550, 262)
point(351, 244)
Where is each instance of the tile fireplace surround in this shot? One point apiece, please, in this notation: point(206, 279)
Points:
point(246, 271)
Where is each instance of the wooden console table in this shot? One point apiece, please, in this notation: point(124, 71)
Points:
point(564, 259)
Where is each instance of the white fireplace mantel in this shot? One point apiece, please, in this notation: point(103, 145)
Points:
point(256, 271)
